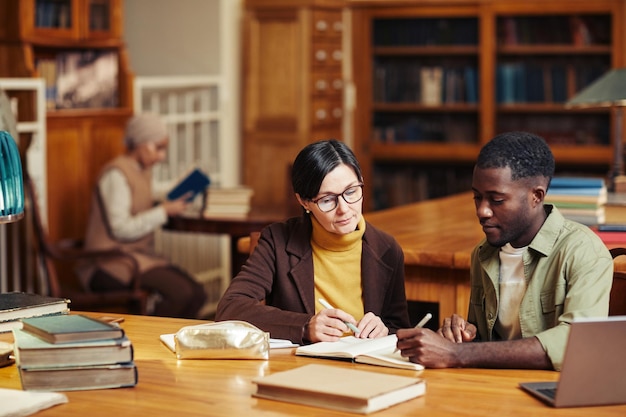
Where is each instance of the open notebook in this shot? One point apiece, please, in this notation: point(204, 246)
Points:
point(594, 369)
point(381, 351)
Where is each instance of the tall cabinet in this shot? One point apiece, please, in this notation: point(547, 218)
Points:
point(292, 89)
point(77, 47)
point(435, 80)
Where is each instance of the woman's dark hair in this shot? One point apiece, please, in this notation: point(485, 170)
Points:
point(315, 161)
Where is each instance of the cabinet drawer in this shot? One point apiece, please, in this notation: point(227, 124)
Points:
point(327, 54)
point(327, 24)
point(326, 83)
point(326, 112)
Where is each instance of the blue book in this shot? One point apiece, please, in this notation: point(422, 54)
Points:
point(194, 183)
point(576, 182)
point(582, 191)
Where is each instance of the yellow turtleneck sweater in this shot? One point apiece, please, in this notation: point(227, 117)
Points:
point(337, 268)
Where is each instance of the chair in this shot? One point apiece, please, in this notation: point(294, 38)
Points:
point(246, 244)
point(54, 257)
point(617, 303)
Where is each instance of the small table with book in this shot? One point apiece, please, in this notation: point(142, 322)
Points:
point(201, 387)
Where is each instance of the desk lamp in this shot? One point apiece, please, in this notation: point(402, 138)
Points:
point(608, 91)
point(11, 180)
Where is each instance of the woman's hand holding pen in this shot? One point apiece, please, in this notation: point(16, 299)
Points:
point(371, 326)
point(332, 323)
point(328, 325)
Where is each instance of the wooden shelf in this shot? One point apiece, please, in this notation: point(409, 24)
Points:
point(526, 70)
point(79, 140)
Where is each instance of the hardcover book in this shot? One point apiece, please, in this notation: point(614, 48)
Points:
point(19, 305)
point(71, 328)
point(33, 352)
point(339, 388)
point(79, 377)
point(194, 183)
point(381, 352)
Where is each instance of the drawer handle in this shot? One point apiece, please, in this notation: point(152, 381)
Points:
point(338, 26)
point(320, 114)
point(337, 113)
point(337, 55)
point(320, 85)
point(337, 84)
point(322, 25)
point(320, 55)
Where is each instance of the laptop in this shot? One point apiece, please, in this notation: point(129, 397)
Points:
point(594, 366)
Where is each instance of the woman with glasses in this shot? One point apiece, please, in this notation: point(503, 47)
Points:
point(330, 253)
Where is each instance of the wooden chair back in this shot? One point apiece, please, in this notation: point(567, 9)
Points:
point(66, 254)
point(247, 244)
point(617, 303)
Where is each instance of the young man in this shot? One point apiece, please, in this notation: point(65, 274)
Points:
point(530, 277)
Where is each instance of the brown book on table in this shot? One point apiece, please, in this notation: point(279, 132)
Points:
point(339, 388)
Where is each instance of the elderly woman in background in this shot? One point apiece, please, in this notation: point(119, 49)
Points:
point(124, 216)
point(329, 253)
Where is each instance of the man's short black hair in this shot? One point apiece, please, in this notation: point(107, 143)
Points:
point(527, 154)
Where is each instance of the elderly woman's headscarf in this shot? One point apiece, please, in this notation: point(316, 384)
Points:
point(145, 127)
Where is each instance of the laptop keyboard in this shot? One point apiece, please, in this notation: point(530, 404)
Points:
point(548, 392)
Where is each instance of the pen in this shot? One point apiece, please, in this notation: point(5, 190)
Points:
point(350, 325)
point(421, 323)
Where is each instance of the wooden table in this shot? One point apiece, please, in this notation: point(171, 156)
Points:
point(437, 237)
point(170, 387)
point(235, 228)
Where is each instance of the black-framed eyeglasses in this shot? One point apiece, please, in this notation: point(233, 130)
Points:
point(329, 202)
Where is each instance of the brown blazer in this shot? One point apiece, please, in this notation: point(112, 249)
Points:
point(280, 271)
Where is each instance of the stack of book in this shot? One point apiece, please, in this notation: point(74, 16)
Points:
point(73, 352)
point(228, 202)
point(580, 199)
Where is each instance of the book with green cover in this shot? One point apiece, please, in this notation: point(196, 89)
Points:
point(33, 352)
point(71, 328)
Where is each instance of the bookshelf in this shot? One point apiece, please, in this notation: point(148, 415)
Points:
point(76, 46)
point(438, 79)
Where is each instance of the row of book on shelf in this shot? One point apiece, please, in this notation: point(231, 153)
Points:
point(544, 82)
point(429, 85)
point(576, 30)
point(58, 351)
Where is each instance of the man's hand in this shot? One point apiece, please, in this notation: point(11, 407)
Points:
point(428, 348)
point(457, 330)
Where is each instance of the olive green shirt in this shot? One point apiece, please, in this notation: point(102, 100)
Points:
point(569, 272)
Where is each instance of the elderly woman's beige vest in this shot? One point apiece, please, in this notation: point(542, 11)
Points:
point(99, 236)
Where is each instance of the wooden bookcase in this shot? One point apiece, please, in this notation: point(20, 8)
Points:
point(497, 65)
point(292, 89)
point(85, 130)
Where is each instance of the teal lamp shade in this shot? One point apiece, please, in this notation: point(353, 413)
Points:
point(11, 180)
